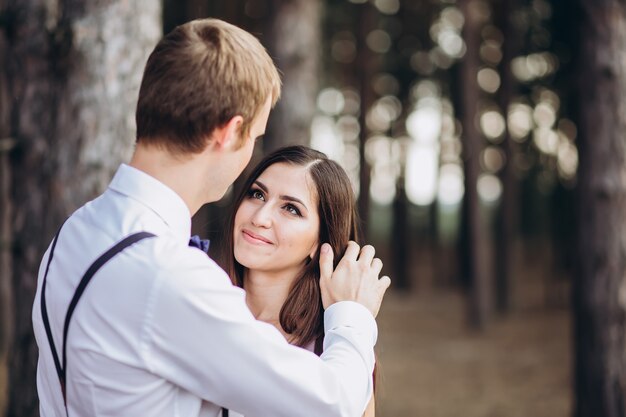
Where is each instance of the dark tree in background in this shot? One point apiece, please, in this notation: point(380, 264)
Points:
point(506, 232)
point(70, 77)
point(472, 146)
point(366, 64)
point(600, 287)
point(295, 44)
point(6, 293)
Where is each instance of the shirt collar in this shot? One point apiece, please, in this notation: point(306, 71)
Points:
point(155, 195)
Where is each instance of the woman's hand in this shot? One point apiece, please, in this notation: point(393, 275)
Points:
point(354, 279)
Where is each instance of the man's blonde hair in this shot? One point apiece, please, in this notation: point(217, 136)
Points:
point(198, 77)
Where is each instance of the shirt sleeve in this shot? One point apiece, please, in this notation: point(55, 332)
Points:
point(199, 334)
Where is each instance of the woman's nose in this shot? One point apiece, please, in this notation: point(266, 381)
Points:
point(262, 217)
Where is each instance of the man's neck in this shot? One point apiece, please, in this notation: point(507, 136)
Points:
point(183, 174)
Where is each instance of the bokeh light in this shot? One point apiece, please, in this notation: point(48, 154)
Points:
point(567, 160)
point(352, 101)
point(451, 42)
point(421, 174)
point(349, 127)
point(488, 80)
point(330, 101)
point(425, 89)
point(451, 188)
point(490, 52)
point(385, 168)
point(389, 7)
point(492, 159)
point(378, 150)
point(544, 115)
point(378, 41)
point(384, 111)
point(534, 66)
point(386, 84)
point(520, 121)
point(424, 123)
point(351, 158)
point(546, 140)
point(489, 188)
point(453, 17)
point(492, 124)
point(440, 58)
point(325, 137)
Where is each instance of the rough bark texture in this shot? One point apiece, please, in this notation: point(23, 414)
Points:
point(472, 145)
point(72, 73)
point(600, 287)
point(6, 287)
point(294, 43)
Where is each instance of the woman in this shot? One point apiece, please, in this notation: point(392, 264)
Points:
point(293, 201)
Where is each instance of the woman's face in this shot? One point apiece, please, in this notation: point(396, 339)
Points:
point(277, 224)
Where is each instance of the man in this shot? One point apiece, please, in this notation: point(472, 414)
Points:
point(159, 330)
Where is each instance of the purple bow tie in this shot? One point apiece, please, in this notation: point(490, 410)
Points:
point(202, 244)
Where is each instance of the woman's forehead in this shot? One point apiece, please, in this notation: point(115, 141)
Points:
point(289, 179)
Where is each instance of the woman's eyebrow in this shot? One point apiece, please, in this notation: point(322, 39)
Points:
point(282, 197)
point(261, 185)
point(290, 198)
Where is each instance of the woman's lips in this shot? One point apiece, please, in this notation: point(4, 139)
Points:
point(254, 238)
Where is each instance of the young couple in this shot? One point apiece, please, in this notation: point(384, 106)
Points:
point(154, 327)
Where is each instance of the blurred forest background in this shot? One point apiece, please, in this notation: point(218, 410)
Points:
point(485, 141)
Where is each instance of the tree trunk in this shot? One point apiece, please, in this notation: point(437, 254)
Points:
point(294, 29)
point(600, 286)
point(6, 287)
point(400, 244)
point(472, 145)
point(366, 64)
point(507, 216)
point(72, 72)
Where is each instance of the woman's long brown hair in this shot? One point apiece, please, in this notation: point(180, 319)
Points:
point(302, 314)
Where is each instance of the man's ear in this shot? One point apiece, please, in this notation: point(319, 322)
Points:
point(227, 136)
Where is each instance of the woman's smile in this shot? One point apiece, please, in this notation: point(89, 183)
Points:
point(254, 238)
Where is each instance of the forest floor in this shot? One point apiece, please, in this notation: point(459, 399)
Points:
point(432, 364)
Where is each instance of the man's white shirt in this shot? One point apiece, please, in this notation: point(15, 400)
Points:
point(160, 330)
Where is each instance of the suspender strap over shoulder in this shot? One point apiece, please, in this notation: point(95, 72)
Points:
point(44, 314)
point(103, 259)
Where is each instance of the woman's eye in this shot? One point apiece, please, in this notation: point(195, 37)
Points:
point(293, 210)
point(257, 194)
